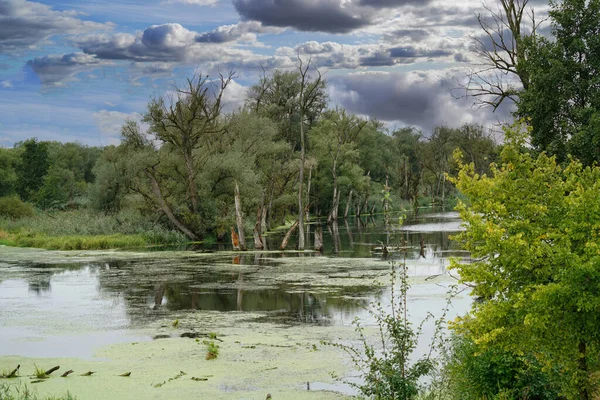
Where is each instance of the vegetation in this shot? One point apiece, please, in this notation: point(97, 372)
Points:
point(197, 173)
point(532, 232)
point(23, 392)
point(212, 349)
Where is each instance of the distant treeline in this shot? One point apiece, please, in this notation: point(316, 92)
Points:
point(193, 160)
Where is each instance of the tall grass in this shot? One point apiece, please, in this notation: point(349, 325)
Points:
point(86, 230)
point(10, 391)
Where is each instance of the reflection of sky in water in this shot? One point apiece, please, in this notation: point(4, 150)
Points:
point(59, 314)
point(68, 310)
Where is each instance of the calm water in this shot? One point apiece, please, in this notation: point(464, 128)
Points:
point(51, 309)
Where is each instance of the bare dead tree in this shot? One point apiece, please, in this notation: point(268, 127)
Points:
point(500, 72)
point(309, 94)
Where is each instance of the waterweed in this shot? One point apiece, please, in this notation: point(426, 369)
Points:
point(212, 349)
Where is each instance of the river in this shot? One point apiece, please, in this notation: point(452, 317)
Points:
point(90, 307)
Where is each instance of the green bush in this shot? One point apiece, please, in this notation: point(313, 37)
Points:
point(473, 373)
point(12, 207)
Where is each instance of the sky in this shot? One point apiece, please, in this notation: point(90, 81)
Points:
point(73, 70)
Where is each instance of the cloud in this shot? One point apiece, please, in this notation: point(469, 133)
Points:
point(243, 31)
point(55, 69)
point(421, 99)
point(335, 16)
point(194, 2)
point(25, 24)
point(167, 42)
point(333, 55)
point(414, 35)
point(110, 122)
point(392, 3)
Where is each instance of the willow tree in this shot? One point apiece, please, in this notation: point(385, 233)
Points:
point(294, 100)
point(335, 140)
point(175, 147)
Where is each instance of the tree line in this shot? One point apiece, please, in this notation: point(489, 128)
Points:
point(282, 155)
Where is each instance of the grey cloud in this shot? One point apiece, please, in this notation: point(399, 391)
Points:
point(230, 33)
point(333, 16)
point(168, 42)
point(392, 3)
point(24, 24)
point(53, 70)
point(421, 99)
point(413, 52)
point(413, 34)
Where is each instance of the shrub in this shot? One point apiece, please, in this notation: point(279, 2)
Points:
point(12, 207)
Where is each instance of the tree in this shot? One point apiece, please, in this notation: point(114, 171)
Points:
point(501, 72)
point(8, 175)
point(562, 101)
point(32, 168)
point(335, 138)
point(188, 120)
point(532, 229)
point(294, 101)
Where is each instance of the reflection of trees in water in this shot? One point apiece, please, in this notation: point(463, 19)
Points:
point(150, 293)
point(40, 280)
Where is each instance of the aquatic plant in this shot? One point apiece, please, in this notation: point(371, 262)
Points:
point(39, 373)
point(212, 349)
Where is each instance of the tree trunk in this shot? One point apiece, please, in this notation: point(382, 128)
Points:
point(239, 217)
point(288, 235)
point(191, 183)
point(166, 209)
point(336, 237)
point(308, 207)
point(300, 185)
point(319, 239)
point(348, 204)
point(258, 242)
point(584, 393)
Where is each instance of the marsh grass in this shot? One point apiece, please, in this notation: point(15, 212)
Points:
point(86, 230)
point(20, 391)
point(39, 373)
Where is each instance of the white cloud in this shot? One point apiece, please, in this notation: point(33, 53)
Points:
point(110, 122)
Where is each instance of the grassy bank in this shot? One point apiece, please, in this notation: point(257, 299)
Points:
point(86, 230)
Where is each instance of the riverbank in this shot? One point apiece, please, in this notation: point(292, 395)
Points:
point(86, 230)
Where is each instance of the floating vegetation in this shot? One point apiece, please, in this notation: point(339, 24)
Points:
point(179, 375)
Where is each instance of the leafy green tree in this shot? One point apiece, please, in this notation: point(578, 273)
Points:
point(32, 168)
point(59, 188)
point(532, 230)
point(562, 101)
point(335, 143)
point(8, 175)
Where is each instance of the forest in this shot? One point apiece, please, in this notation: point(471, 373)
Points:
point(181, 174)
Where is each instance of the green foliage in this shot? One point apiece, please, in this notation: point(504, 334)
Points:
point(32, 168)
point(212, 349)
point(532, 230)
point(13, 208)
point(387, 367)
point(9, 160)
point(474, 373)
point(562, 99)
point(58, 189)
